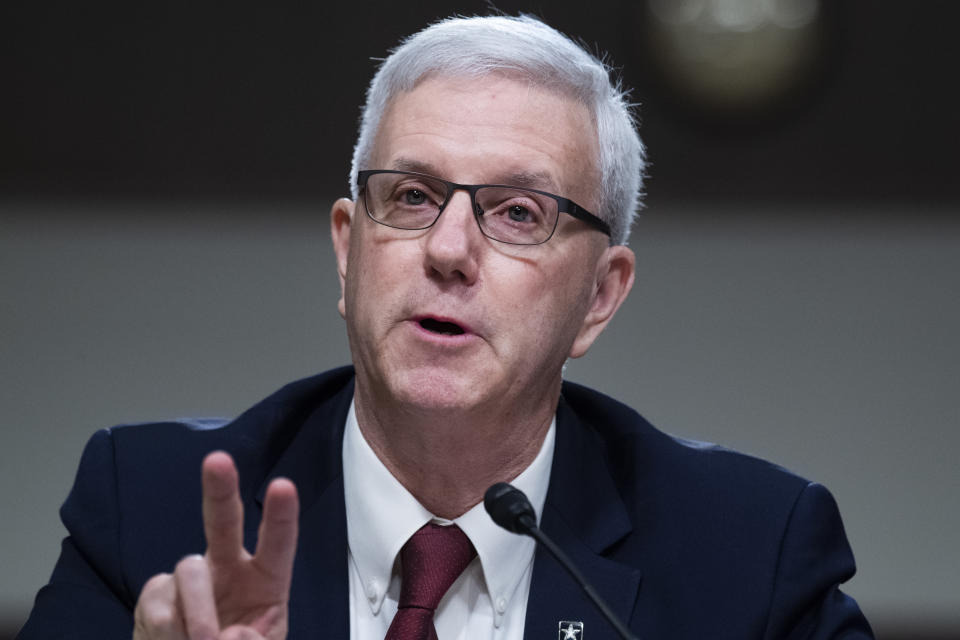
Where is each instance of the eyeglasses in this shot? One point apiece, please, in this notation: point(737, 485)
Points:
point(406, 200)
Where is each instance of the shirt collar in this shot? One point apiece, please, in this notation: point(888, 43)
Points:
point(382, 515)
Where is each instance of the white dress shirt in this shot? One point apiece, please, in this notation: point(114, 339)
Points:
point(488, 600)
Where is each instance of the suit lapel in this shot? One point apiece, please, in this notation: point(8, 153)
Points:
point(319, 599)
point(585, 517)
point(319, 595)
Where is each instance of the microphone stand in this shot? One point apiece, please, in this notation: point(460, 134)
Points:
point(510, 509)
point(567, 564)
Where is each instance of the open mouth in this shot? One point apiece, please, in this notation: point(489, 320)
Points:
point(443, 328)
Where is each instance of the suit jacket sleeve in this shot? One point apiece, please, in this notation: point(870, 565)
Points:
point(86, 596)
point(814, 559)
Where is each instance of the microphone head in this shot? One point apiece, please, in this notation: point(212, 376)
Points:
point(509, 508)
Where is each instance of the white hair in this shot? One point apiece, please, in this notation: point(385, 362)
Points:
point(470, 47)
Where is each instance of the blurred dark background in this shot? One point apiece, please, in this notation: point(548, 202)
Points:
point(255, 99)
point(165, 169)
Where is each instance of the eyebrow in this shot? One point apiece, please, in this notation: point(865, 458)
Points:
point(533, 180)
point(529, 179)
point(406, 164)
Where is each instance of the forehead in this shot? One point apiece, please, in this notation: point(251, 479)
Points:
point(489, 129)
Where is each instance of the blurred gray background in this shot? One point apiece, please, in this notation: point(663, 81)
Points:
point(165, 179)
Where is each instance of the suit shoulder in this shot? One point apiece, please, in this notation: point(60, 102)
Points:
point(294, 400)
point(637, 449)
point(142, 481)
point(174, 449)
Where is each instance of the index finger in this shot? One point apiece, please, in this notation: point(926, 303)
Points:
point(222, 509)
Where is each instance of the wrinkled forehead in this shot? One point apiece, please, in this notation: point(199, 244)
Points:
point(577, 145)
point(549, 83)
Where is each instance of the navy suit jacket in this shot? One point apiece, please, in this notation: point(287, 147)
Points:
point(683, 540)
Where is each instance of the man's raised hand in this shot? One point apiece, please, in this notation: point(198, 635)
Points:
point(227, 594)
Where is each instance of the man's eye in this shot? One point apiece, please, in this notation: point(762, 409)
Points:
point(519, 214)
point(414, 197)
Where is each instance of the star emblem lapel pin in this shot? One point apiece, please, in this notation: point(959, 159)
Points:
point(570, 630)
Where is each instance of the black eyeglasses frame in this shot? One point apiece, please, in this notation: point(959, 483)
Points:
point(564, 205)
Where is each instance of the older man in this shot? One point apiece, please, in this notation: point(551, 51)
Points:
point(495, 179)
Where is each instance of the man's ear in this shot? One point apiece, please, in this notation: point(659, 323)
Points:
point(341, 217)
point(613, 282)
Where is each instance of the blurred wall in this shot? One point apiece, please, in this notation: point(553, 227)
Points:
point(818, 339)
point(255, 99)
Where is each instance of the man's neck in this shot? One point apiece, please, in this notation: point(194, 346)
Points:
point(448, 459)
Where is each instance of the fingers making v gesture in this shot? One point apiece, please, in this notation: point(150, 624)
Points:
point(227, 593)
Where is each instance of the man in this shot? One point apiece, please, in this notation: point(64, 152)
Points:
point(471, 268)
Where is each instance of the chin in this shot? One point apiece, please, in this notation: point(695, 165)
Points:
point(436, 390)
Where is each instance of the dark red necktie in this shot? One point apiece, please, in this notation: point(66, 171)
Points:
point(431, 561)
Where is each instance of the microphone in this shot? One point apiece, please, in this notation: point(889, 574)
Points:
point(510, 508)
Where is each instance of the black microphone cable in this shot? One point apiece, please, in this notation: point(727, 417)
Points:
point(510, 508)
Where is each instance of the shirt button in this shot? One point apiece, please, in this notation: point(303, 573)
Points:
point(501, 605)
point(372, 589)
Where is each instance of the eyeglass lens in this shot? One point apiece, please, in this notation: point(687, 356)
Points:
point(508, 214)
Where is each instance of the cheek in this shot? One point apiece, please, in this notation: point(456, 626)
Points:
point(379, 273)
point(372, 258)
point(361, 284)
point(574, 291)
point(543, 304)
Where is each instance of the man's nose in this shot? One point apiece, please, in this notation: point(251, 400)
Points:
point(453, 242)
